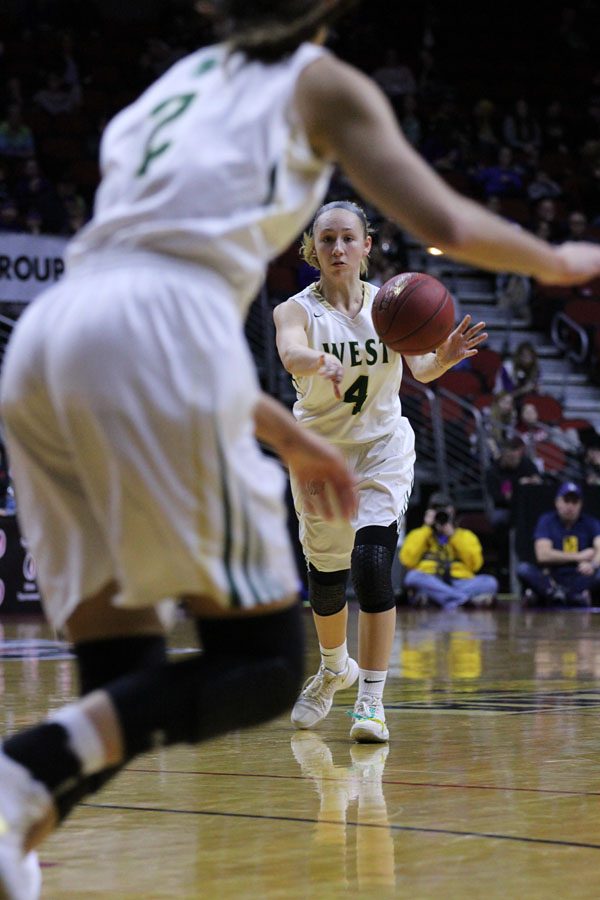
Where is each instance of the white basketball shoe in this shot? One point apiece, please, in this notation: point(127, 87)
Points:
point(316, 697)
point(23, 802)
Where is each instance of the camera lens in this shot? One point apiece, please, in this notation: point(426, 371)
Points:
point(441, 517)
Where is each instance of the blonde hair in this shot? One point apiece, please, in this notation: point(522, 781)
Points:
point(307, 247)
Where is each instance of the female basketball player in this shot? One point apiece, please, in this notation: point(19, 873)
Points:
point(325, 335)
point(129, 398)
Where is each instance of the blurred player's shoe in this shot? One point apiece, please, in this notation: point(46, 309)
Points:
point(316, 697)
point(23, 803)
point(369, 721)
point(483, 601)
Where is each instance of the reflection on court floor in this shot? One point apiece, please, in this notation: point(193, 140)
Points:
point(490, 785)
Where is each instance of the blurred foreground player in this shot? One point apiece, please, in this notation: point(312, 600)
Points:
point(129, 397)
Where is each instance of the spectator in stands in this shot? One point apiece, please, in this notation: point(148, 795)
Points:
point(513, 293)
point(520, 374)
point(567, 552)
point(533, 432)
point(443, 560)
point(542, 186)
point(591, 464)
point(395, 78)
point(577, 226)
point(9, 216)
point(410, 121)
point(521, 130)
point(504, 179)
point(555, 129)
point(56, 96)
point(512, 469)
point(33, 189)
point(484, 129)
point(33, 222)
point(16, 137)
point(500, 422)
point(5, 191)
point(545, 214)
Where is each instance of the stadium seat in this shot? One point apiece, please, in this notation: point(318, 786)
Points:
point(549, 408)
point(486, 364)
point(552, 458)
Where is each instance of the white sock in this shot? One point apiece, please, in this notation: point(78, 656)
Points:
point(84, 739)
point(335, 658)
point(371, 683)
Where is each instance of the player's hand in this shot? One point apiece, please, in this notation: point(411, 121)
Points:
point(461, 343)
point(579, 262)
point(331, 368)
point(327, 484)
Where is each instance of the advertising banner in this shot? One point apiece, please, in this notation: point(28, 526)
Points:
point(29, 263)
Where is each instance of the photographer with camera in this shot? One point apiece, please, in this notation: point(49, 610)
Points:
point(442, 560)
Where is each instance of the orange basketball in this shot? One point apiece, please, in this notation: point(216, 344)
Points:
point(413, 313)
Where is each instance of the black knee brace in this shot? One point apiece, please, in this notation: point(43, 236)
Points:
point(98, 663)
point(327, 590)
point(250, 671)
point(371, 567)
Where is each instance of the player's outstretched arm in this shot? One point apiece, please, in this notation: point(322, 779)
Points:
point(349, 120)
point(295, 354)
point(460, 344)
point(324, 478)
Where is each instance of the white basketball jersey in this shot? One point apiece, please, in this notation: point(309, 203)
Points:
point(211, 164)
point(370, 407)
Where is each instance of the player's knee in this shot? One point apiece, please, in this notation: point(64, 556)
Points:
point(327, 591)
point(372, 577)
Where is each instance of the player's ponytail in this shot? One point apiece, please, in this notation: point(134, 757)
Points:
point(269, 30)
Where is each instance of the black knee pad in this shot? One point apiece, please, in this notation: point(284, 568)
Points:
point(327, 591)
point(372, 560)
point(250, 671)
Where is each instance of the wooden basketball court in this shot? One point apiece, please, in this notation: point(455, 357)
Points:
point(490, 787)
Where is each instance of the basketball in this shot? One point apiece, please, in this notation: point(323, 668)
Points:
point(413, 313)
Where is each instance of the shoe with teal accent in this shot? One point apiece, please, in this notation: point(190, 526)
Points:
point(369, 721)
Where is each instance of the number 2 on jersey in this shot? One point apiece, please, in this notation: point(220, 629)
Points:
point(357, 393)
point(171, 109)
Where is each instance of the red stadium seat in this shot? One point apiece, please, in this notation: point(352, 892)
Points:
point(586, 312)
point(486, 363)
point(464, 383)
point(553, 458)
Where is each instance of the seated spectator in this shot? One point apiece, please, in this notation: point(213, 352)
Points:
point(520, 374)
point(567, 552)
point(504, 179)
point(542, 186)
point(555, 128)
point(16, 137)
point(577, 226)
point(500, 422)
point(545, 220)
point(533, 432)
point(395, 78)
point(484, 129)
point(57, 97)
point(34, 190)
point(513, 293)
point(512, 468)
point(9, 217)
point(591, 464)
point(410, 121)
point(520, 129)
point(443, 559)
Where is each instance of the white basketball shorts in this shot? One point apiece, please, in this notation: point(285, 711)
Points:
point(384, 471)
point(127, 396)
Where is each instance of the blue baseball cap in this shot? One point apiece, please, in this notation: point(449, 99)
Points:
point(569, 487)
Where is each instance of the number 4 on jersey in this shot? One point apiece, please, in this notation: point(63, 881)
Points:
point(357, 393)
